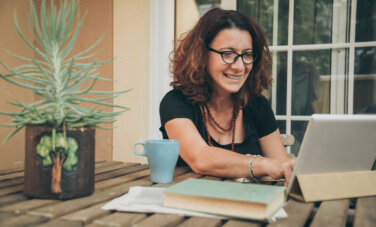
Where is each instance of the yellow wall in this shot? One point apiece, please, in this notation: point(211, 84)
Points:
point(186, 16)
point(12, 153)
point(99, 20)
point(131, 69)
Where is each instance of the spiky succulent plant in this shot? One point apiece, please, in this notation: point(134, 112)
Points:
point(63, 81)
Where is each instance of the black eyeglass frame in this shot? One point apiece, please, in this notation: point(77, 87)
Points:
point(236, 58)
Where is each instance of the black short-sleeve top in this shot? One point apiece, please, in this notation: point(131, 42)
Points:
point(258, 119)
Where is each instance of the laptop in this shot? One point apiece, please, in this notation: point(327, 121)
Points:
point(336, 143)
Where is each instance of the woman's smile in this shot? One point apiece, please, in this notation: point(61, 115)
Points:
point(235, 77)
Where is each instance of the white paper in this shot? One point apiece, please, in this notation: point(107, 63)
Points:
point(280, 214)
point(150, 200)
point(146, 200)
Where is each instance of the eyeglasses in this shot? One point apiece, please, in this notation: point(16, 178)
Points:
point(230, 57)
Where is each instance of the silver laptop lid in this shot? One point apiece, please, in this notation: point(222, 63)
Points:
point(336, 143)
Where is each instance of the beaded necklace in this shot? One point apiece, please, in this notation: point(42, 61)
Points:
point(207, 114)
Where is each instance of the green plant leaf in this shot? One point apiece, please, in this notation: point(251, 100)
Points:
point(12, 133)
point(27, 41)
point(25, 85)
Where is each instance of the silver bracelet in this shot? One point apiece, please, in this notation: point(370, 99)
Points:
point(251, 168)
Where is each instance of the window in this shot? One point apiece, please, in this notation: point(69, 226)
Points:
point(324, 55)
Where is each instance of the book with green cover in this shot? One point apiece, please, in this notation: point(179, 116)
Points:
point(249, 201)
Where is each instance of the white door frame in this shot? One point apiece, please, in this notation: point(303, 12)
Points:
point(162, 31)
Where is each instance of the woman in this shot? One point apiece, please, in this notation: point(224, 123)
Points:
point(216, 109)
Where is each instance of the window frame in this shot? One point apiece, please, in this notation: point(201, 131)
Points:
point(162, 35)
point(339, 90)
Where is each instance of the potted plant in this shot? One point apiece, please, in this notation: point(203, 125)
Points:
point(60, 125)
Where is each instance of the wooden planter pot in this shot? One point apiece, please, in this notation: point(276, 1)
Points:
point(60, 170)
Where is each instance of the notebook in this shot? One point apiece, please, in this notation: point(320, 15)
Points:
point(336, 143)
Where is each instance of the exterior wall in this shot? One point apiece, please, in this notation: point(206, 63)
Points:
point(12, 153)
point(99, 19)
point(131, 70)
point(186, 16)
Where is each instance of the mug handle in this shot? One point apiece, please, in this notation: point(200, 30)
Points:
point(136, 152)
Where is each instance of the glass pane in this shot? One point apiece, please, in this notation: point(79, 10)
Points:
point(311, 82)
point(365, 21)
point(282, 126)
point(281, 83)
point(313, 21)
point(204, 6)
point(262, 11)
point(283, 22)
point(297, 130)
point(365, 80)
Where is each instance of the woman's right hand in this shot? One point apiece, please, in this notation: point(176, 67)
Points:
point(278, 169)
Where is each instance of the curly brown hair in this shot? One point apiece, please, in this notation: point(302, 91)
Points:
point(190, 57)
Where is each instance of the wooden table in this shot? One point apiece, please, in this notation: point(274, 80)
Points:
point(114, 179)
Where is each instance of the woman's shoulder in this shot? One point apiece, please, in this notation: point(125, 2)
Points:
point(174, 93)
point(174, 96)
point(175, 105)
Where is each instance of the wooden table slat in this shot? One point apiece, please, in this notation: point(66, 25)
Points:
point(11, 176)
point(11, 190)
point(120, 219)
point(201, 221)
point(102, 164)
point(10, 199)
point(114, 166)
point(365, 212)
point(298, 213)
point(88, 215)
point(121, 179)
point(331, 213)
point(12, 170)
point(95, 225)
point(4, 216)
point(119, 172)
point(13, 182)
point(241, 223)
point(61, 223)
point(23, 220)
point(26, 205)
point(157, 220)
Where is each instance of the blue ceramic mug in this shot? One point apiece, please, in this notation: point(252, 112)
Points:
point(162, 156)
